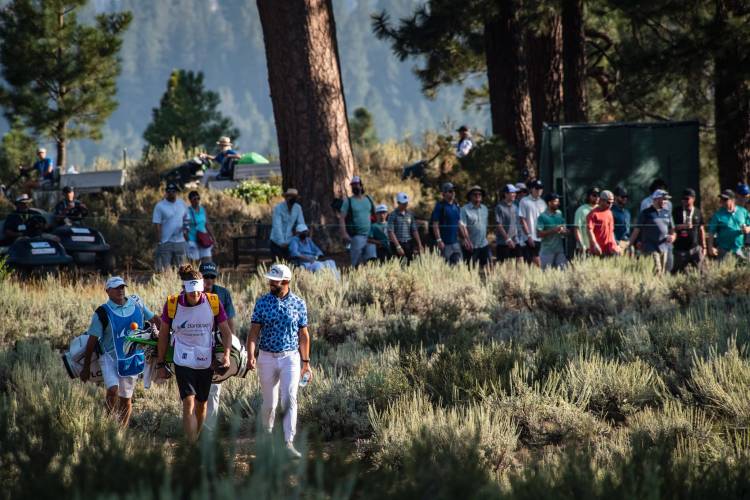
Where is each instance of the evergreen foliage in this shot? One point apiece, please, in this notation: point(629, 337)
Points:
point(188, 112)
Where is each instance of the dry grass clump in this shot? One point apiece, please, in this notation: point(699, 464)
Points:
point(612, 388)
point(722, 384)
point(452, 428)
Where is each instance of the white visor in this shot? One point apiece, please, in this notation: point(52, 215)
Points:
point(193, 285)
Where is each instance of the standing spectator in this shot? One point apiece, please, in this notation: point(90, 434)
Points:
point(655, 228)
point(279, 331)
point(69, 208)
point(473, 227)
point(743, 200)
point(690, 240)
point(445, 219)
point(169, 218)
point(727, 227)
point(464, 144)
point(379, 233)
point(402, 230)
point(210, 272)
point(287, 215)
point(305, 253)
point(579, 221)
point(657, 185)
point(506, 217)
point(600, 225)
point(355, 219)
point(529, 210)
point(551, 228)
point(198, 247)
point(523, 192)
point(622, 217)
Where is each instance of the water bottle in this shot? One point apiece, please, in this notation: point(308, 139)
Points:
point(305, 379)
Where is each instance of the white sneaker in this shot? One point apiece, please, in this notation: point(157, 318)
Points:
point(292, 450)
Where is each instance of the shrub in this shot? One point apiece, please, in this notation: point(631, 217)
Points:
point(252, 191)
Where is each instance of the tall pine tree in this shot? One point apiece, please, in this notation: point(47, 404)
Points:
point(188, 112)
point(60, 76)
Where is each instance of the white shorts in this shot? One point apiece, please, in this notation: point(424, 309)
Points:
point(125, 385)
point(196, 252)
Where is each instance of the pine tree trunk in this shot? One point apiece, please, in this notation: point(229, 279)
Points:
point(574, 61)
point(731, 112)
point(308, 101)
point(510, 104)
point(62, 149)
point(544, 67)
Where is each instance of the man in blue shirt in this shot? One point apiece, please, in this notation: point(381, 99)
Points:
point(279, 330)
point(210, 271)
point(445, 219)
point(621, 216)
point(224, 158)
point(123, 309)
point(45, 169)
point(305, 253)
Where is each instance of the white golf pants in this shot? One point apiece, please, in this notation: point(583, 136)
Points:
point(279, 374)
point(213, 407)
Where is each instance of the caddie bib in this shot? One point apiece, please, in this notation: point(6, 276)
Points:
point(193, 335)
point(127, 364)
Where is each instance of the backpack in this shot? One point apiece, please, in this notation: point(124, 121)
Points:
point(213, 300)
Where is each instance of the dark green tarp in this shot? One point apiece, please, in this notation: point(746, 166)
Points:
point(576, 157)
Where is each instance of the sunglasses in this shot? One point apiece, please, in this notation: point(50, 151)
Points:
point(195, 198)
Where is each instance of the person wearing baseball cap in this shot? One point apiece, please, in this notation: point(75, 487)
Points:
point(551, 229)
point(600, 225)
point(69, 207)
point(655, 231)
point(17, 222)
point(622, 217)
point(286, 216)
point(506, 232)
point(210, 272)
point(170, 221)
point(728, 227)
point(355, 222)
point(529, 210)
point(279, 330)
point(444, 220)
point(473, 227)
point(690, 235)
point(107, 329)
point(191, 316)
point(580, 232)
point(306, 254)
point(379, 233)
point(403, 231)
point(464, 144)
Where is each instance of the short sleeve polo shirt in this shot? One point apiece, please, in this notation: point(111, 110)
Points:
point(280, 320)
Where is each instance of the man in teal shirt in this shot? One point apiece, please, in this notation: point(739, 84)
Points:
point(728, 227)
point(355, 220)
point(551, 228)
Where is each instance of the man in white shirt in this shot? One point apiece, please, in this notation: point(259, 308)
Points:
point(464, 145)
point(529, 210)
point(170, 219)
point(287, 215)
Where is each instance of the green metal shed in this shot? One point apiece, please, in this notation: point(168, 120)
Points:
point(576, 157)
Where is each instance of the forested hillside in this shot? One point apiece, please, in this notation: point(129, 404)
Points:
point(223, 39)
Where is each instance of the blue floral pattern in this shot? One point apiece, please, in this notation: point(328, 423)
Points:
point(281, 320)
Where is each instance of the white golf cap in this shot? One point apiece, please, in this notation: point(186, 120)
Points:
point(279, 272)
point(356, 180)
point(660, 193)
point(301, 228)
point(381, 208)
point(193, 285)
point(114, 282)
point(402, 198)
point(41, 150)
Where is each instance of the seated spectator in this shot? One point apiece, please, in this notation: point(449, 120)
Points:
point(69, 208)
point(402, 230)
point(551, 229)
point(305, 253)
point(379, 233)
point(464, 145)
point(445, 218)
point(600, 225)
point(655, 228)
point(286, 216)
point(473, 227)
point(727, 228)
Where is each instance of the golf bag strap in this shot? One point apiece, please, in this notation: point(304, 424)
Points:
point(103, 317)
point(213, 300)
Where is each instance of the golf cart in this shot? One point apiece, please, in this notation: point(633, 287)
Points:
point(85, 244)
point(37, 251)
